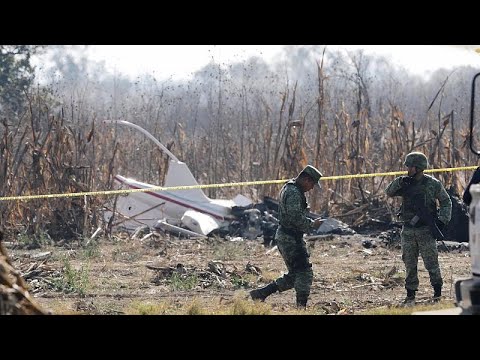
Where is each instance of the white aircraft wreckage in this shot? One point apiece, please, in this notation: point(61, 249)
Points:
point(189, 212)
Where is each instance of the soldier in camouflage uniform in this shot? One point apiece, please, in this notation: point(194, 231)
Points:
point(417, 239)
point(293, 223)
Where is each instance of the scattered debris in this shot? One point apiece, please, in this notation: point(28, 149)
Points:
point(216, 273)
point(369, 244)
point(41, 256)
point(141, 231)
point(449, 246)
point(313, 238)
point(334, 226)
point(217, 267)
point(176, 230)
point(391, 237)
point(94, 235)
point(252, 269)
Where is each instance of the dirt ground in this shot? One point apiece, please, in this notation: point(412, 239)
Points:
point(167, 275)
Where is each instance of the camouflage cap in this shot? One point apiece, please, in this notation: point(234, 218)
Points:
point(314, 173)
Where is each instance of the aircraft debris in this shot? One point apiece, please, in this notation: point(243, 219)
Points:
point(190, 213)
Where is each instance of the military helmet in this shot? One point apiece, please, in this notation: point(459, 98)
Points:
point(416, 159)
point(313, 172)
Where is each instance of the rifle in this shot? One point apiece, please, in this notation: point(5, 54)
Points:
point(423, 214)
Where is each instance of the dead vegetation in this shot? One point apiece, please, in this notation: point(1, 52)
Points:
point(47, 153)
point(208, 276)
point(15, 298)
point(225, 131)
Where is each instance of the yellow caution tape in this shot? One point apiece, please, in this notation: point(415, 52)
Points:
point(396, 173)
point(247, 183)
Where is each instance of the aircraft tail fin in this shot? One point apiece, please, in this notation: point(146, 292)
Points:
point(180, 175)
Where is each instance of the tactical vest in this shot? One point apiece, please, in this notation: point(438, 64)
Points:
point(415, 192)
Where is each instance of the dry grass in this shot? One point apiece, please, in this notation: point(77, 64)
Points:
point(346, 281)
point(400, 310)
point(147, 308)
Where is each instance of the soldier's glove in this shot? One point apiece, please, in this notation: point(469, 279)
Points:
point(476, 176)
point(405, 181)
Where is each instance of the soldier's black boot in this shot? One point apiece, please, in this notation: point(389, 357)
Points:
point(302, 301)
point(410, 299)
point(262, 293)
point(437, 293)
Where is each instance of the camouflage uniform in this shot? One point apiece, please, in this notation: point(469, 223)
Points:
point(289, 236)
point(293, 223)
point(419, 240)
